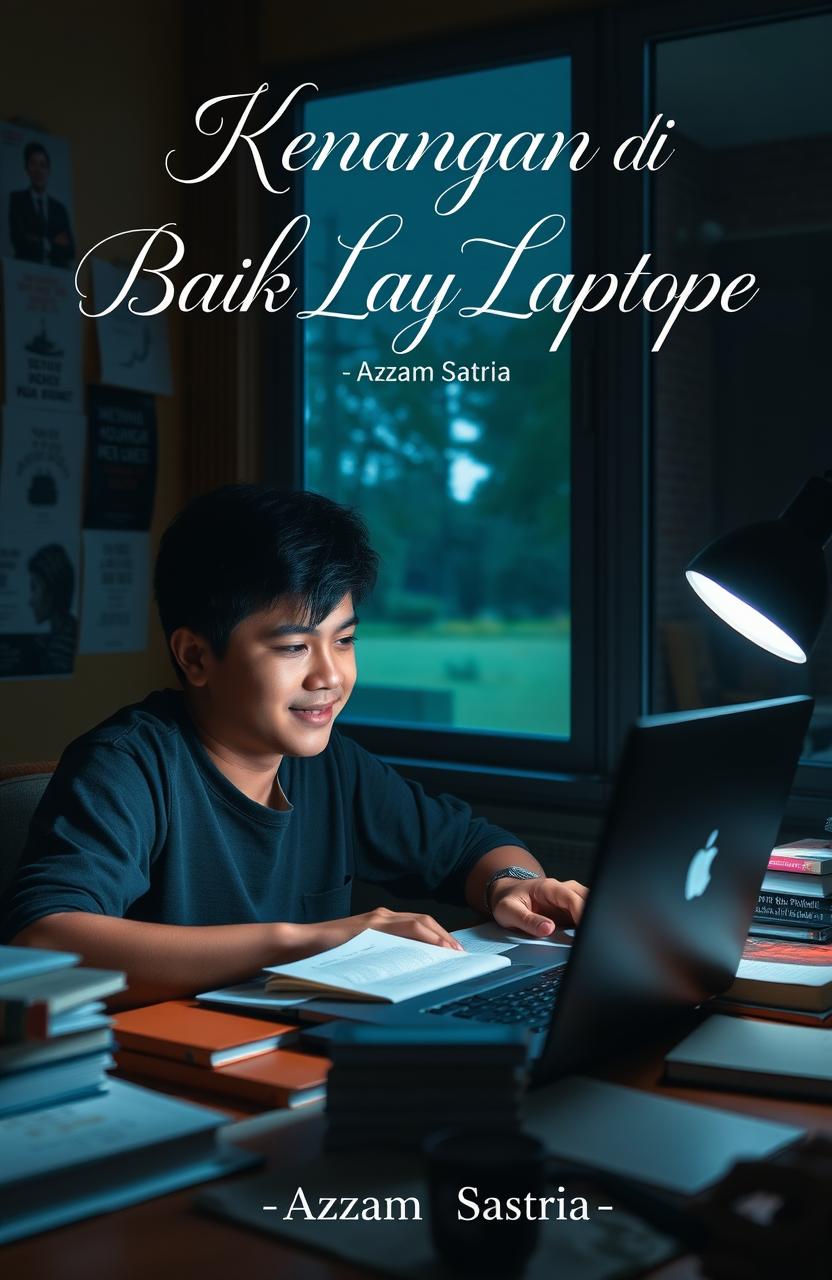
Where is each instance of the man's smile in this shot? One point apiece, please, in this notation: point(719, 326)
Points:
point(316, 715)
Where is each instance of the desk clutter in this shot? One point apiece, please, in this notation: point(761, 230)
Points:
point(55, 1037)
point(75, 1142)
point(795, 901)
point(183, 1043)
point(597, 1135)
point(65, 1125)
point(390, 1086)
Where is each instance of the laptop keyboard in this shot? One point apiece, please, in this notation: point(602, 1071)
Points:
point(528, 1002)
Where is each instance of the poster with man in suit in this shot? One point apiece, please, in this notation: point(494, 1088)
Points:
point(36, 204)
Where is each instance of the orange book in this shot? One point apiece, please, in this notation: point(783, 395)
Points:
point(277, 1079)
point(188, 1032)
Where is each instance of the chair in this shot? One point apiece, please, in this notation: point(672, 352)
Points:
point(21, 787)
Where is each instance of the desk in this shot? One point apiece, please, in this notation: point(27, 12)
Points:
point(163, 1238)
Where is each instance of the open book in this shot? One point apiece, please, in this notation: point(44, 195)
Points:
point(380, 967)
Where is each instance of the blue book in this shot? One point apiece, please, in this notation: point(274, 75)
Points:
point(58, 1082)
point(42, 1053)
point(25, 962)
point(29, 1007)
point(127, 1145)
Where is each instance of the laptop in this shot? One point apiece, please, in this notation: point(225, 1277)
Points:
point(696, 810)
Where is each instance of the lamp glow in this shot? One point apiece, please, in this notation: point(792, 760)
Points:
point(745, 619)
point(769, 580)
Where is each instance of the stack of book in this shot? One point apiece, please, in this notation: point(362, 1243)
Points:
point(55, 1037)
point(74, 1142)
point(787, 981)
point(390, 1087)
point(795, 901)
point(182, 1043)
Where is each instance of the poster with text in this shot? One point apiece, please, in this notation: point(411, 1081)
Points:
point(41, 469)
point(42, 337)
point(135, 350)
point(37, 218)
point(116, 598)
point(121, 475)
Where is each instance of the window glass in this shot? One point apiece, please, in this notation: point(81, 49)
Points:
point(464, 482)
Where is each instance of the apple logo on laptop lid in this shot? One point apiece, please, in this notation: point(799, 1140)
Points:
point(699, 871)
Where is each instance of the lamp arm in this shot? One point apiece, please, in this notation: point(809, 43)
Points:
point(810, 510)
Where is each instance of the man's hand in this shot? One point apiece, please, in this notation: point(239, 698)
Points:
point(405, 924)
point(537, 906)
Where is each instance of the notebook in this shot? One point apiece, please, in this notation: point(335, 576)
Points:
point(747, 1053)
point(186, 1031)
point(277, 1079)
point(677, 1146)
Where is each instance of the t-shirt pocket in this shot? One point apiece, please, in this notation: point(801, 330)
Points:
point(332, 904)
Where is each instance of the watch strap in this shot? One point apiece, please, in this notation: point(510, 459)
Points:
point(508, 873)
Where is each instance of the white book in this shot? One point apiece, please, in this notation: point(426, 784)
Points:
point(788, 985)
point(380, 967)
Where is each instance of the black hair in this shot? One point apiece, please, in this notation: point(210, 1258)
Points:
point(54, 568)
point(33, 149)
point(239, 549)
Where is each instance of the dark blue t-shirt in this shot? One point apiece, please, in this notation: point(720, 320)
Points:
point(138, 822)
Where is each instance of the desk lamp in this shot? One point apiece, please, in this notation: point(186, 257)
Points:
point(768, 580)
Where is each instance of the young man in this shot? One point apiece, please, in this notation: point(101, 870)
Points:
point(204, 833)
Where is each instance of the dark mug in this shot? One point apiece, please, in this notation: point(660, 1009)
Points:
point(479, 1182)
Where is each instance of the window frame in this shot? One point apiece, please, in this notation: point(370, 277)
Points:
point(494, 752)
point(612, 511)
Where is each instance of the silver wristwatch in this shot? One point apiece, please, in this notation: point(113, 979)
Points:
point(509, 873)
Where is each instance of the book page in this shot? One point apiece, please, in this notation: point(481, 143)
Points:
point(797, 975)
point(385, 967)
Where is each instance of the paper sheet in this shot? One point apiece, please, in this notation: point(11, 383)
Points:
point(484, 937)
point(490, 937)
point(253, 995)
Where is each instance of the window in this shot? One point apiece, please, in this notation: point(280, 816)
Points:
point(535, 533)
point(456, 445)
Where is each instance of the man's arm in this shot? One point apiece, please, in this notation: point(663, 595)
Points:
point(165, 961)
point(532, 906)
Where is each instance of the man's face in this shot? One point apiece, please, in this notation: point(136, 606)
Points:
point(37, 167)
point(280, 685)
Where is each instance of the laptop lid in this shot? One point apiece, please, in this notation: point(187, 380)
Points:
point(695, 812)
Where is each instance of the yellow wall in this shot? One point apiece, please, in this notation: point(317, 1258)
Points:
point(107, 76)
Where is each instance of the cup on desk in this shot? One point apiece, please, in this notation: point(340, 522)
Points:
point(481, 1164)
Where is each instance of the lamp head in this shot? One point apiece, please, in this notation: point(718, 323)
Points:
point(768, 580)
